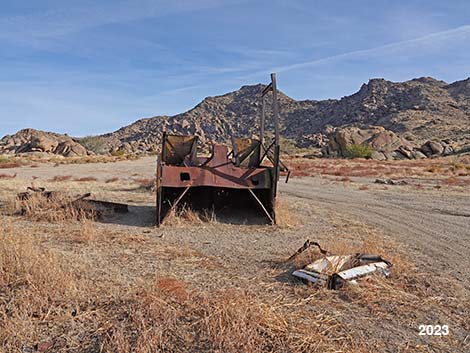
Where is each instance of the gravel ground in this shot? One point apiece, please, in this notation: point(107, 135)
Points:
point(430, 227)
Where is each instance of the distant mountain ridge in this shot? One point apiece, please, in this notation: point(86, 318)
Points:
point(417, 110)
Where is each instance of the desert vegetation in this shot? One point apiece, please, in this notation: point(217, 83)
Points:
point(70, 282)
point(439, 168)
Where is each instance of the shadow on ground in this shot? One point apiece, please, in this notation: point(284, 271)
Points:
point(145, 216)
point(138, 216)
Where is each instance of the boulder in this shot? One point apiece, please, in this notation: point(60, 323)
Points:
point(379, 156)
point(384, 144)
point(43, 144)
point(417, 154)
point(70, 148)
point(432, 148)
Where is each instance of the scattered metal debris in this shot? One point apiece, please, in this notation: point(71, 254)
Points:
point(82, 203)
point(334, 271)
point(230, 179)
point(306, 246)
point(391, 182)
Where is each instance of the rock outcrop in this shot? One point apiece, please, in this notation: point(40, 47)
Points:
point(36, 141)
point(383, 144)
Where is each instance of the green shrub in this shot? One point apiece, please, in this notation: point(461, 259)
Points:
point(358, 151)
point(118, 153)
point(93, 143)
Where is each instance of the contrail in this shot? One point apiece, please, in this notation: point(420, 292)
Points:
point(463, 31)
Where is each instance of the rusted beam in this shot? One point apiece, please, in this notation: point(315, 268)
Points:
point(258, 201)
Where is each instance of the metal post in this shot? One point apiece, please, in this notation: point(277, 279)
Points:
point(263, 112)
point(276, 130)
point(275, 109)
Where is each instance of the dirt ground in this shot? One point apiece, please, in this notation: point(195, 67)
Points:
point(423, 228)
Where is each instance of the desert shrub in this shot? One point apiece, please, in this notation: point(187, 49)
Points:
point(7, 176)
point(118, 153)
point(146, 184)
point(111, 180)
point(94, 143)
point(358, 151)
point(5, 163)
point(86, 179)
point(61, 178)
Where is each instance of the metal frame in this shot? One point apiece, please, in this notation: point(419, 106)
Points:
point(223, 169)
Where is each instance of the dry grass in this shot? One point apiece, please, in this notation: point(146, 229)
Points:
point(37, 287)
point(285, 217)
point(56, 208)
point(54, 301)
point(44, 291)
point(186, 217)
point(62, 301)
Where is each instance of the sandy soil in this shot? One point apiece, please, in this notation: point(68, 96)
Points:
point(429, 227)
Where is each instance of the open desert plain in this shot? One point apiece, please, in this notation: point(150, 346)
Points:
point(223, 282)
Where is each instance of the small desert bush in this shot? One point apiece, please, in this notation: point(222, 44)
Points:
point(7, 176)
point(146, 184)
point(111, 180)
point(358, 151)
point(118, 153)
point(86, 179)
point(6, 163)
point(60, 178)
point(454, 181)
point(434, 169)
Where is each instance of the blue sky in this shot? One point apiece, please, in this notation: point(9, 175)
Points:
point(88, 67)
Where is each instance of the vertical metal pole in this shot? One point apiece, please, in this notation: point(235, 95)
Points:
point(276, 143)
point(263, 112)
point(275, 109)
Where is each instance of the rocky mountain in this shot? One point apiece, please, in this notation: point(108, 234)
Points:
point(418, 111)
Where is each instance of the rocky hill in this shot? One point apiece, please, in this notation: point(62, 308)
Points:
point(417, 112)
point(41, 142)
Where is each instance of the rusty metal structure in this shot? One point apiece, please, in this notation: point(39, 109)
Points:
point(226, 179)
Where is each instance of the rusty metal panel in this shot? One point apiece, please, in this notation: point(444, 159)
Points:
point(176, 148)
point(248, 152)
point(226, 176)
